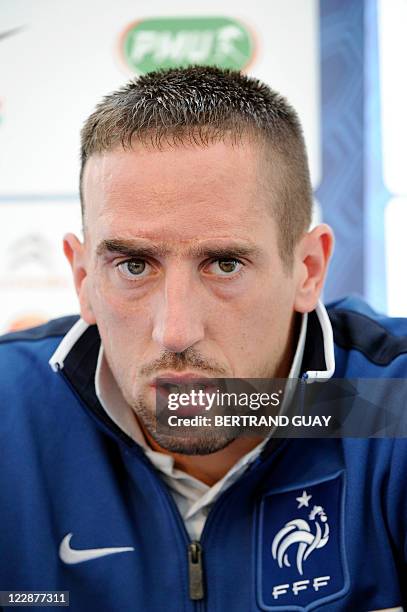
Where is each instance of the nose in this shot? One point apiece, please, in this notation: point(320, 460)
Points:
point(179, 319)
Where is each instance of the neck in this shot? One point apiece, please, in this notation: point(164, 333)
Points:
point(209, 468)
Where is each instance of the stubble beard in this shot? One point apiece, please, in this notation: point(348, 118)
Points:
point(186, 440)
point(183, 440)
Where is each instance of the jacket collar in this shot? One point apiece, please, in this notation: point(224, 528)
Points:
point(319, 357)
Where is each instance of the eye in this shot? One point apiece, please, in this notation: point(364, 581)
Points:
point(225, 267)
point(134, 268)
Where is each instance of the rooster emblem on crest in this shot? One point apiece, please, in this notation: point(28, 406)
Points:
point(307, 535)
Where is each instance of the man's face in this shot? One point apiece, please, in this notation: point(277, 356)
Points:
point(183, 274)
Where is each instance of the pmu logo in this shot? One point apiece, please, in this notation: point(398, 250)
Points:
point(301, 556)
point(171, 42)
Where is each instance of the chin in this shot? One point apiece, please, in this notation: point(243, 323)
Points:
point(192, 444)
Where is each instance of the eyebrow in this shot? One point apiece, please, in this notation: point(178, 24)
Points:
point(139, 250)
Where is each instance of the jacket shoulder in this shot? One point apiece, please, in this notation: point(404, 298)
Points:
point(53, 328)
point(24, 354)
point(356, 326)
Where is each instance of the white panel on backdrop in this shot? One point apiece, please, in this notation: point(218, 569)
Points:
point(396, 256)
point(35, 279)
point(66, 56)
point(393, 51)
point(392, 21)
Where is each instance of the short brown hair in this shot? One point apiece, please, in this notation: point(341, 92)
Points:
point(201, 105)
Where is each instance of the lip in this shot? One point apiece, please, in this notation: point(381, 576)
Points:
point(186, 382)
point(177, 378)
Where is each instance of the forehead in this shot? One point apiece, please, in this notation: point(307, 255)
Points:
point(183, 192)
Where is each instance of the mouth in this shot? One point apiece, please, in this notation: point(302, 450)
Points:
point(193, 388)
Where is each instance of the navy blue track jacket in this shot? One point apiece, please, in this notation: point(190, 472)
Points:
point(313, 524)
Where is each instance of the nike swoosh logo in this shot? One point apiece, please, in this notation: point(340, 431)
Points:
point(72, 555)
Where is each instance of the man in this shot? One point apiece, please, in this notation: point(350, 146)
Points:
point(197, 261)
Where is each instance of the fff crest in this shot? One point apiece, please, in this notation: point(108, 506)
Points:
point(300, 552)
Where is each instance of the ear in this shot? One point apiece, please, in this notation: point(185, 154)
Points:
point(76, 255)
point(312, 256)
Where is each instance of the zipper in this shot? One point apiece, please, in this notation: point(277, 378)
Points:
point(195, 570)
point(194, 549)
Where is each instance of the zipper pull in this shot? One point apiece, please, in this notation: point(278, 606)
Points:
point(195, 566)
